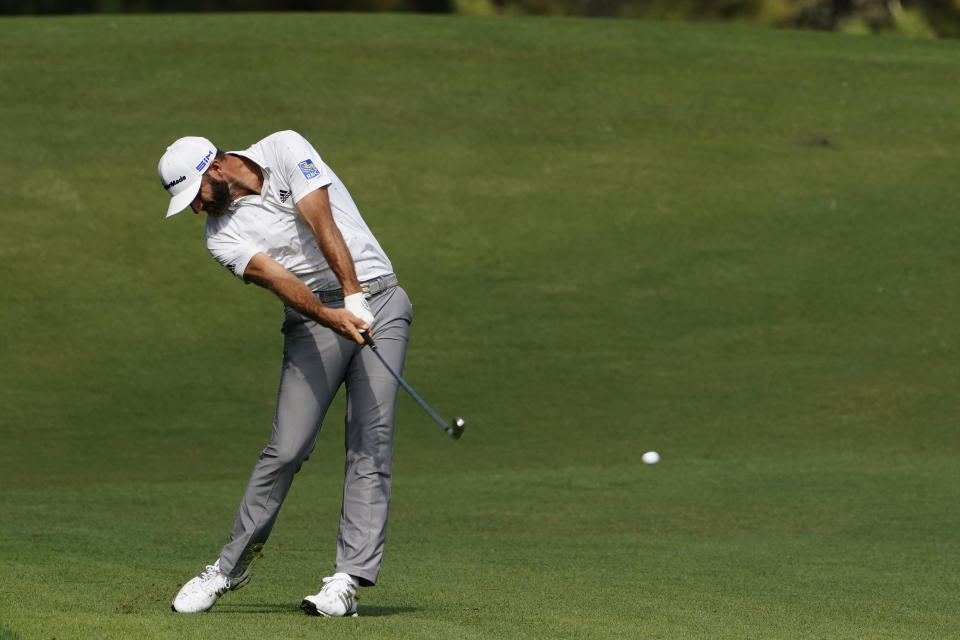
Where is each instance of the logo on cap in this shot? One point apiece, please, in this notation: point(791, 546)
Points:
point(174, 182)
point(203, 163)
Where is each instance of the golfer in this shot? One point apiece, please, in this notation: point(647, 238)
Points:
point(278, 217)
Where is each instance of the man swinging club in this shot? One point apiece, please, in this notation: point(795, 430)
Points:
point(277, 216)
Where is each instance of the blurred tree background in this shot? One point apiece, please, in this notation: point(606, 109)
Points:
point(915, 18)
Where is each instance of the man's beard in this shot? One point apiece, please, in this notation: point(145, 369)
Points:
point(220, 200)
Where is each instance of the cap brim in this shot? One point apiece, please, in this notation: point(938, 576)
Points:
point(182, 200)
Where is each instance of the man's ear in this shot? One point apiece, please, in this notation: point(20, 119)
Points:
point(215, 170)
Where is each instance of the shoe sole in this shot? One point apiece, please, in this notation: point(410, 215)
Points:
point(311, 610)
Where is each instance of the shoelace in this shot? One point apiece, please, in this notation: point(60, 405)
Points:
point(210, 572)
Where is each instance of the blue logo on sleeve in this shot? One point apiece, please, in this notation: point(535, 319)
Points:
point(309, 169)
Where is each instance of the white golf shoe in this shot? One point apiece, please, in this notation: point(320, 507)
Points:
point(201, 593)
point(338, 598)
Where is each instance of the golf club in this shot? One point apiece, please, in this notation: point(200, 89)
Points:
point(454, 429)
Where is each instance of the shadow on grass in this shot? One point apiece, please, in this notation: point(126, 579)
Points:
point(378, 612)
point(260, 607)
point(256, 607)
point(8, 634)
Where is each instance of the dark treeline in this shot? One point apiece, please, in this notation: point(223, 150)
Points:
point(193, 6)
point(923, 18)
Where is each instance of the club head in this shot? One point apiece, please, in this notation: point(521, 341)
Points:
point(455, 430)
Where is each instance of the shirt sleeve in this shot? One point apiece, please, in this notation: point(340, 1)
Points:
point(300, 165)
point(230, 250)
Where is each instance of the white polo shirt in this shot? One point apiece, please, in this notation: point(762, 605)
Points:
point(269, 223)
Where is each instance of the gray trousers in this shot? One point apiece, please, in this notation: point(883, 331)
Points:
point(316, 361)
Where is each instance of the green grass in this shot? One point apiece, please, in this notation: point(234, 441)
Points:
point(737, 247)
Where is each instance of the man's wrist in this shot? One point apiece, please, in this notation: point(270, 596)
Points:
point(351, 290)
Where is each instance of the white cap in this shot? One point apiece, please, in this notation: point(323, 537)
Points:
point(181, 170)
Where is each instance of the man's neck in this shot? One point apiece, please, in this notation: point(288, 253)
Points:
point(245, 176)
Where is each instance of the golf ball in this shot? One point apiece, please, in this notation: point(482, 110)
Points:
point(651, 457)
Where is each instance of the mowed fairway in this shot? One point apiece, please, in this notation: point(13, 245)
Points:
point(736, 247)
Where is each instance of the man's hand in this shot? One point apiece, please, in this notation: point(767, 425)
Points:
point(356, 303)
point(347, 324)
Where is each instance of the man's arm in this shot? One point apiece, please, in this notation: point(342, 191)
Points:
point(315, 210)
point(270, 274)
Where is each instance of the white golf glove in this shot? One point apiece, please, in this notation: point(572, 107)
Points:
point(357, 304)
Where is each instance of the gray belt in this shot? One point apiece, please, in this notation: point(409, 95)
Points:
point(370, 288)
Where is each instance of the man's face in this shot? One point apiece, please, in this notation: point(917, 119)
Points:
point(213, 197)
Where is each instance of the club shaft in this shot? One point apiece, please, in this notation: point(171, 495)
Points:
point(413, 394)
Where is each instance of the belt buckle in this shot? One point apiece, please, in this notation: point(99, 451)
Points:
point(375, 286)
